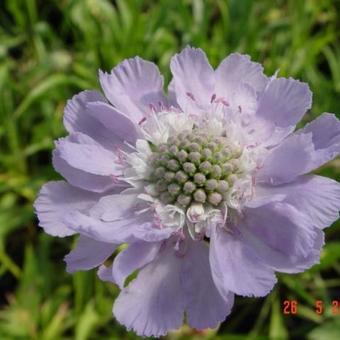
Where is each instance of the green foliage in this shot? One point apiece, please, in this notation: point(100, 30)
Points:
point(50, 50)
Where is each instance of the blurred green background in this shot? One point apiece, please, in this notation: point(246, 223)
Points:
point(50, 50)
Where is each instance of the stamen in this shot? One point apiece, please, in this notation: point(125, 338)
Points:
point(222, 101)
point(130, 146)
point(191, 96)
point(142, 121)
point(152, 108)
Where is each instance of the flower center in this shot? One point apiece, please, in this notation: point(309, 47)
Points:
point(194, 167)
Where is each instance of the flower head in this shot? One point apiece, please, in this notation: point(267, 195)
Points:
point(208, 185)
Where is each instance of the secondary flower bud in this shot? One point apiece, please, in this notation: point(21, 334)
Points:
point(200, 196)
point(205, 167)
point(211, 184)
point(206, 153)
point(181, 176)
point(169, 176)
point(216, 171)
point(189, 187)
point(159, 172)
point(184, 200)
point(189, 168)
point(182, 155)
point(195, 157)
point(174, 188)
point(222, 186)
point(199, 179)
point(215, 198)
point(194, 147)
point(173, 165)
point(166, 198)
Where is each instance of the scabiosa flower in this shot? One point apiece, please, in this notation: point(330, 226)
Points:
point(208, 185)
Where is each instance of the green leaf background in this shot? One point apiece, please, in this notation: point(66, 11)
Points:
point(50, 50)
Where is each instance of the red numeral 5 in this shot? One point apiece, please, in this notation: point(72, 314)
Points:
point(319, 307)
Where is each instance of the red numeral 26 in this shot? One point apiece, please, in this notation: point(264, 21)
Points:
point(290, 307)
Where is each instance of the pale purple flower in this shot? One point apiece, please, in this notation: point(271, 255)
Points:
point(208, 185)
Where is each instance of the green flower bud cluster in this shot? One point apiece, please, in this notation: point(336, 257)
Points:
point(194, 167)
